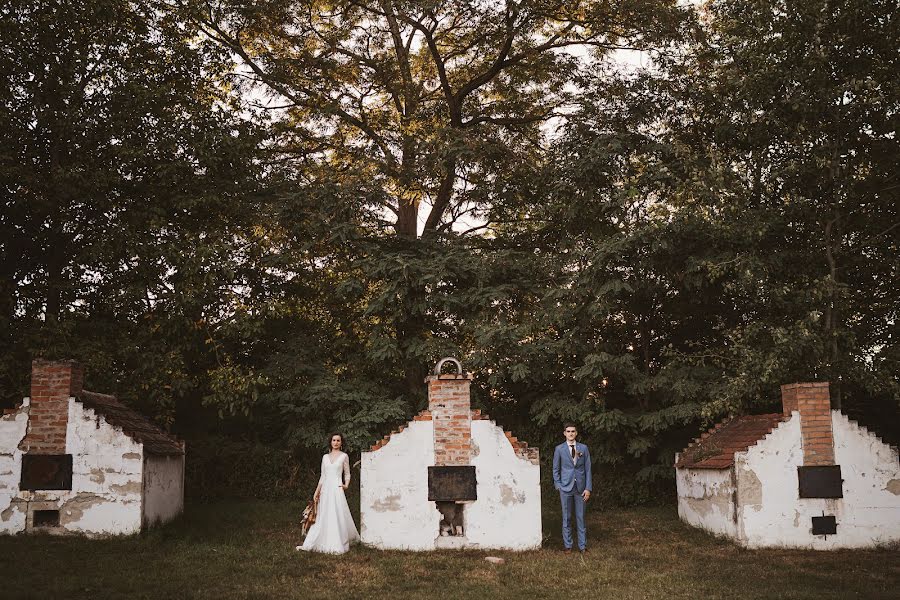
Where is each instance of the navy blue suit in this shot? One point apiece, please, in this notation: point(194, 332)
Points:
point(572, 478)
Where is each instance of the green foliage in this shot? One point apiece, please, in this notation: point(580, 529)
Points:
point(126, 175)
point(236, 248)
point(220, 467)
point(232, 550)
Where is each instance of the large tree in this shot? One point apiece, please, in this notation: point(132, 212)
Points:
point(431, 102)
point(711, 228)
point(796, 129)
point(122, 163)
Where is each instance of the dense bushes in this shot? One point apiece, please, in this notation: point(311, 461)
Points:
point(219, 467)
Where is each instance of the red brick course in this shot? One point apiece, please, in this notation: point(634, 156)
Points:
point(715, 449)
point(449, 404)
point(52, 384)
point(813, 402)
point(456, 425)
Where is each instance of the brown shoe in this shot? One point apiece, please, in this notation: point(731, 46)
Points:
point(567, 551)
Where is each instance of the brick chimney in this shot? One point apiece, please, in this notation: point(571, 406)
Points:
point(52, 384)
point(813, 402)
point(449, 404)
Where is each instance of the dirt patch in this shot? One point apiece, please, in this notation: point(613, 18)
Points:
point(388, 504)
point(510, 495)
point(893, 486)
point(132, 487)
point(73, 510)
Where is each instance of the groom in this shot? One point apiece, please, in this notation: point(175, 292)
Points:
point(572, 477)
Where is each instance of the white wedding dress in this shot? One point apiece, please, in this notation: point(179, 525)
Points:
point(334, 530)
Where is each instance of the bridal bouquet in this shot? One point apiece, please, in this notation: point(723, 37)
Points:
point(309, 516)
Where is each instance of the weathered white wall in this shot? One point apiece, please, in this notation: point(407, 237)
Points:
point(110, 485)
point(106, 477)
point(12, 430)
point(768, 490)
point(395, 510)
point(394, 507)
point(163, 488)
point(871, 473)
point(507, 513)
point(771, 513)
point(706, 499)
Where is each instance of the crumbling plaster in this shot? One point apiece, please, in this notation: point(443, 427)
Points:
point(12, 430)
point(395, 510)
point(766, 507)
point(867, 515)
point(706, 499)
point(106, 477)
point(507, 513)
point(394, 507)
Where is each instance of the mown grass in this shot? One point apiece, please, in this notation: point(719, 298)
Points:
point(246, 550)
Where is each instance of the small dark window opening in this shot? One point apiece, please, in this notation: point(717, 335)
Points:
point(46, 472)
point(820, 482)
point(451, 518)
point(824, 525)
point(452, 483)
point(46, 518)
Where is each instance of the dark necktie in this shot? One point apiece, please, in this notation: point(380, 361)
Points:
point(573, 450)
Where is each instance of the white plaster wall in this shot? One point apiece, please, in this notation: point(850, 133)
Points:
point(394, 509)
point(768, 491)
point(106, 477)
point(706, 499)
point(163, 488)
point(507, 513)
point(871, 473)
point(12, 429)
point(771, 513)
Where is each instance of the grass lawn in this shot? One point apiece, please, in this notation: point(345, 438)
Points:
point(246, 550)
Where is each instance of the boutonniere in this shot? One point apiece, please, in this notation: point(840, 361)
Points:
point(579, 453)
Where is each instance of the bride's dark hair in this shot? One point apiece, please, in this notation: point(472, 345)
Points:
point(331, 437)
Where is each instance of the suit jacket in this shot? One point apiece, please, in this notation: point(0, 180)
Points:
point(569, 477)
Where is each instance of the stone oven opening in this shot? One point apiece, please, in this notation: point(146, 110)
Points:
point(45, 518)
point(449, 487)
point(452, 522)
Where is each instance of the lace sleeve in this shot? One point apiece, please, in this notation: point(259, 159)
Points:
point(346, 470)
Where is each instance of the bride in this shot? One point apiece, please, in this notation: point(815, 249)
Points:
point(334, 529)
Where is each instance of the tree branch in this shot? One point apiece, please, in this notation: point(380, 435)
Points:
point(313, 100)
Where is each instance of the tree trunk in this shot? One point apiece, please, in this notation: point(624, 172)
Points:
point(410, 331)
point(411, 326)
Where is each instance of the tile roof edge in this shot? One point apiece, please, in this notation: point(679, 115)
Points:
point(164, 445)
point(776, 419)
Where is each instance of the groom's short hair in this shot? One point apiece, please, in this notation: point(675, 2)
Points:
point(570, 424)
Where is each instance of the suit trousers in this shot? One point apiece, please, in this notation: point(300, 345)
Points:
point(573, 506)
